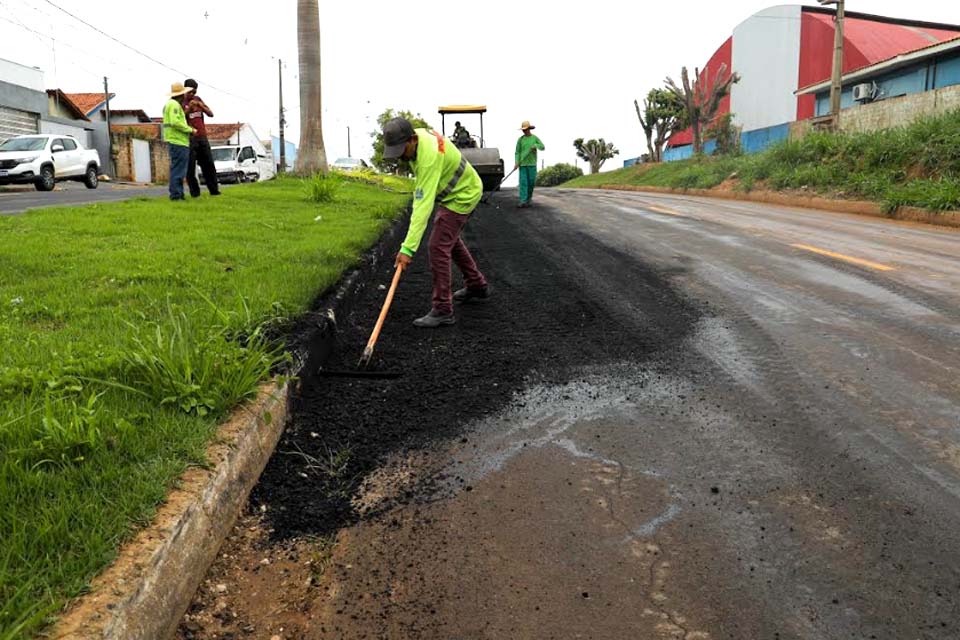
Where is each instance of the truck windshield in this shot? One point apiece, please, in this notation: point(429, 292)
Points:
point(222, 154)
point(23, 144)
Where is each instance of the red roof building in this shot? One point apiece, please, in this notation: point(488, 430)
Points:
point(89, 103)
point(786, 48)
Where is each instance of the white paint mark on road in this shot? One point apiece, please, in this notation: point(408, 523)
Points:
point(650, 528)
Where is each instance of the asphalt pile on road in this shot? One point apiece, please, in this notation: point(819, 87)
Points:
point(547, 317)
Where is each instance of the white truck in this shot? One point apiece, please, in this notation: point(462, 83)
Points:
point(45, 159)
point(241, 164)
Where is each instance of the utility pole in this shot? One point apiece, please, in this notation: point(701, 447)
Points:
point(106, 99)
point(836, 83)
point(283, 122)
point(349, 155)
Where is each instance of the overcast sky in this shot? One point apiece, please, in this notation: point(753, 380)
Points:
point(572, 72)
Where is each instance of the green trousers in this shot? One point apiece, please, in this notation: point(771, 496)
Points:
point(528, 176)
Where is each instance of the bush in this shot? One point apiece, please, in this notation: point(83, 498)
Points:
point(558, 174)
point(323, 187)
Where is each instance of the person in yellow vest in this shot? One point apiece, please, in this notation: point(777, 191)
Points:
point(176, 133)
point(445, 181)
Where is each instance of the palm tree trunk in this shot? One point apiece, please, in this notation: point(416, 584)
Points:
point(311, 156)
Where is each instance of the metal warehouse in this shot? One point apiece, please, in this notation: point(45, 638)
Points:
point(786, 48)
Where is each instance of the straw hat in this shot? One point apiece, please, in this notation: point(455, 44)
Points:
point(177, 89)
point(526, 125)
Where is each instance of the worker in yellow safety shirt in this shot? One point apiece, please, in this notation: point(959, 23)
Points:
point(445, 181)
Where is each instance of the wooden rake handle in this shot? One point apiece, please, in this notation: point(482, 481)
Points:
point(372, 342)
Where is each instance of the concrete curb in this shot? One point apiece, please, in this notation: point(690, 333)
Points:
point(144, 593)
point(858, 207)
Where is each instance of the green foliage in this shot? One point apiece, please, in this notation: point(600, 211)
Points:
point(197, 371)
point(323, 187)
point(558, 174)
point(377, 159)
point(664, 113)
point(386, 181)
point(596, 152)
point(916, 165)
point(67, 431)
point(725, 134)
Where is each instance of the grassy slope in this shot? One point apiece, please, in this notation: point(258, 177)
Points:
point(81, 461)
point(917, 165)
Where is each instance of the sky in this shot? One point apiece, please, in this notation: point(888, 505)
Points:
point(573, 72)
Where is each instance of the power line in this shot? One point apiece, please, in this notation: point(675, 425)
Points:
point(43, 35)
point(52, 38)
point(141, 53)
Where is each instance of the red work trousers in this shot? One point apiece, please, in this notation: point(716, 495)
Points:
point(445, 243)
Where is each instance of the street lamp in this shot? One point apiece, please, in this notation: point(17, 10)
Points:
point(836, 84)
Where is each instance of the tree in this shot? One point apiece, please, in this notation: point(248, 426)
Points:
point(596, 152)
point(663, 114)
point(702, 98)
point(416, 120)
point(726, 134)
point(311, 156)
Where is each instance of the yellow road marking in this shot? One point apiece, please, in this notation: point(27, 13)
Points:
point(669, 212)
point(845, 258)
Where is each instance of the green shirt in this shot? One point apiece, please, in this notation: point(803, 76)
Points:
point(435, 166)
point(527, 150)
point(175, 128)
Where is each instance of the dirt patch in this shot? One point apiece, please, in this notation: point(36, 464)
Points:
point(550, 316)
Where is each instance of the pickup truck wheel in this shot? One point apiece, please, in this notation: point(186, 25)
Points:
point(90, 179)
point(45, 181)
point(241, 177)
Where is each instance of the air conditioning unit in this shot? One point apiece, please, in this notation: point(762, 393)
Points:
point(864, 92)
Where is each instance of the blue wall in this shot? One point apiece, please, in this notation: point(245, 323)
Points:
point(750, 141)
point(629, 162)
point(925, 75)
point(686, 151)
point(947, 73)
point(759, 139)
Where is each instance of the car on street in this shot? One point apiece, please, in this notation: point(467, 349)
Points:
point(43, 160)
point(237, 164)
point(350, 164)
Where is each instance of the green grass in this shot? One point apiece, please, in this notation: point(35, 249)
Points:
point(127, 331)
point(917, 165)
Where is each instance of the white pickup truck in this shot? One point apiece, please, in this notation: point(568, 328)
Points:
point(241, 164)
point(43, 160)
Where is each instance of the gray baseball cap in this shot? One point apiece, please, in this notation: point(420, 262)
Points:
point(396, 133)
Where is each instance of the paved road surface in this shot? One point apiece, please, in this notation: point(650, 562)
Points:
point(745, 424)
point(69, 194)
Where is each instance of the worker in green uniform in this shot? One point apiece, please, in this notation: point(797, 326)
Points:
point(526, 159)
point(445, 181)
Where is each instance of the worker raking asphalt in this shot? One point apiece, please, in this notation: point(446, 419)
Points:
point(543, 323)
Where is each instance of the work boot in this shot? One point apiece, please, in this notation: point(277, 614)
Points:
point(433, 320)
point(467, 294)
